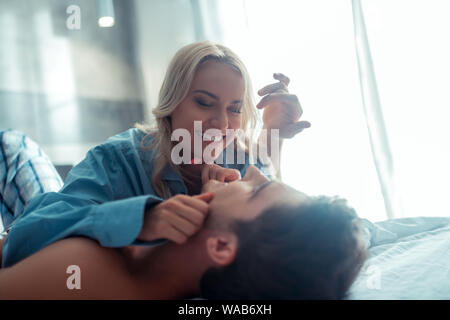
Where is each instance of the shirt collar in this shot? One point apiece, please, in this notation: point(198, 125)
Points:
point(168, 174)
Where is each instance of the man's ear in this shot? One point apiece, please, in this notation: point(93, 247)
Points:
point(222, 248)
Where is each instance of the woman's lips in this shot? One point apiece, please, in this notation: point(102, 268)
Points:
point(209, 138)
point(216, 143)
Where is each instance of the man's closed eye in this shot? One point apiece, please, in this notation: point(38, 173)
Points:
point(259, 189)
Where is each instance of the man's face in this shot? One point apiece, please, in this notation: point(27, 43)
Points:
point(245, 199)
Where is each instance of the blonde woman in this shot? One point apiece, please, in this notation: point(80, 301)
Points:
point(128, 191)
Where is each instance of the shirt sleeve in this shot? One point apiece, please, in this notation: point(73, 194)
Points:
point(102, 199)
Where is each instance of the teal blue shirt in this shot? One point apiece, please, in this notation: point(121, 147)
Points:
point(104, 198)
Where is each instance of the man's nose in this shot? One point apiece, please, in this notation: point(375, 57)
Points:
point(220, 121)
point(253, 174)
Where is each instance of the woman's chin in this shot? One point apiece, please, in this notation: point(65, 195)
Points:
point(210, 152)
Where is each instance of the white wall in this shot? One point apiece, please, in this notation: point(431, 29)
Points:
point(162, 27)
point(38, 54)
point(67, 89)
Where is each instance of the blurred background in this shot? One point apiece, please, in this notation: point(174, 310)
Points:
point(372, 76)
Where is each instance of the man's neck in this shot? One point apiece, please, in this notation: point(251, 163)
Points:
point(167, 273)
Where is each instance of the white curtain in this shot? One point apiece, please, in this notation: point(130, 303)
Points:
point(373, 111)
point(314, 42)
point(410, 50)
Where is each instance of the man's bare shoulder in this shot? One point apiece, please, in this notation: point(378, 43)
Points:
point(73, 268)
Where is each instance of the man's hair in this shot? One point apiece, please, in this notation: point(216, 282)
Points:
point(311, 251)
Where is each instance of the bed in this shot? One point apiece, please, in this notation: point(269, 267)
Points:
point(409, 259)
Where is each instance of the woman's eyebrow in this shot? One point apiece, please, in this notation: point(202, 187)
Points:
point(212, 95)
point(259, 189)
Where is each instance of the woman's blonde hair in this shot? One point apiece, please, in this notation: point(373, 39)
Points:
point(174, 89)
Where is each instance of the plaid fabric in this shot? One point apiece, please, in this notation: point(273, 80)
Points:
point(25, 171)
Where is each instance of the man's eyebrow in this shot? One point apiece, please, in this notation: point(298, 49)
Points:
point(260, 188)
point(212, 95)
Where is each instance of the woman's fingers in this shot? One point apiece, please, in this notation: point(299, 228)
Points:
point(211, 172)
point(215, 172)
point(179, 222)
point(184, 216)
point(206, 197)
point(181, 212)
point(226, 175)
point(188, 213)
point(291, 98)
point(230, 175)
point(205, 174)
point(274, 87)
point(199, 202)
point(176, 235)
point(299, 126)
point(282, 78)
point(292, 129)
point(281, 86)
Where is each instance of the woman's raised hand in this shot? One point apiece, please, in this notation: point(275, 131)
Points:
point(281, 109)
point(176, 218)
point(181, 216)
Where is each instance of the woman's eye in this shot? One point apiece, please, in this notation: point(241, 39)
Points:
point(202, 103)
point(236, 110)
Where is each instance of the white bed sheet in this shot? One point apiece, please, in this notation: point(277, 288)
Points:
point(409, 259)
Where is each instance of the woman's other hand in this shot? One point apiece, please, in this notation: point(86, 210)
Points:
point(216, 172)
point(281, 109)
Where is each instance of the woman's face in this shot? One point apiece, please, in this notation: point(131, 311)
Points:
point(246, 198)
point(215, 99)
